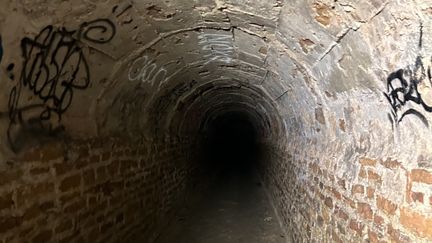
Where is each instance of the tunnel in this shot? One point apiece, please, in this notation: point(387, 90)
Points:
point(215, 121)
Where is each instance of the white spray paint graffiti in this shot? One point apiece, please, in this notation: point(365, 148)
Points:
point(219, 46)
point(147, 71)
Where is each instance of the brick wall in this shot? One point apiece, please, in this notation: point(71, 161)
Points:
point(382, 202)
point(104, 190)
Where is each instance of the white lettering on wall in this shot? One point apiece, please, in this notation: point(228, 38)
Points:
point(219, 47)
point(147, 71)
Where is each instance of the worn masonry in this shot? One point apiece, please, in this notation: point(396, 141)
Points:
point(104, 105)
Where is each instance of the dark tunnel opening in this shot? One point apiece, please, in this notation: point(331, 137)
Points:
point(233, 201)
point(231, 144)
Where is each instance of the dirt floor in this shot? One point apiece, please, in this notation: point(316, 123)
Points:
point(234, 210)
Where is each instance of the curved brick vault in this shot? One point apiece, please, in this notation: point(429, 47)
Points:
point(103, 104)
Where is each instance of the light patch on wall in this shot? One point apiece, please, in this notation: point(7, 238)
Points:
point(218, 47)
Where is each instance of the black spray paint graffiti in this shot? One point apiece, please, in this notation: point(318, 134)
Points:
point(402, 88)
point(53, 68)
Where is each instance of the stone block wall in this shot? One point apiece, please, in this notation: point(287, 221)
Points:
point(383, 202)
point(99, 190)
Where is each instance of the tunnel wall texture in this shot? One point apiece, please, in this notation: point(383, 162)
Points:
point(118, 91)
point(354, 167)
point(96, 190)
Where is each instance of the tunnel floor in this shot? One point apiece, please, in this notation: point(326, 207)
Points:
point(234, 210)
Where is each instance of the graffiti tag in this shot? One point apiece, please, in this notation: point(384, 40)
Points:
point(53, 68)
point(147, 71)
point(218, 47)
point(402, 89)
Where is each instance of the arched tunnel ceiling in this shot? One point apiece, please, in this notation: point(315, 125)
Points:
point(125, 66)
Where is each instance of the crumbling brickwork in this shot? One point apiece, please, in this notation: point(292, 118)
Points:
point(384, 202)
point(100, 190)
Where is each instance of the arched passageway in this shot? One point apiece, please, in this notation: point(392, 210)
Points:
point(115, 116)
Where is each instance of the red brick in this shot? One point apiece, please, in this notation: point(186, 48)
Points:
point(119, 218)
point(367, 162)
point(39, 171)
point(350, 202)
point(89, 177)
point(386, 205)
point(9, 175)
point(105, 227)
point(124, 166)
point(420, 175)
point(390, 164)
point(30, 155)
point(362, 172)
point(341, 183)
point(51, 152)
point(43, 237)
point(31, 213)
point(101, 173)
point(46, 205)
point(83, 152)
point(65, 199)
point(417, 197)
point(95, 159)
point(30, 193)
point(6, 201)
point(341, 214)
point(357, 189)
point(116, 200)
point(24, 233)
point(341, 228)
point(82, 163)
point(396, 235)
point(63, 168)
point(133, 164)
point(142, 151)
point(342, 125)
point(378, 220)
point(101, 206)
point(414, 221)
point(134, 152)
point(7, 223)
point(336, 194)
point(106, 156)
point(364, 210)
point(76, 206)
point(329, 202)
point(372, 236)
point(118, 153)
point(70, 238)
point(92, 201)
point(336, 238)
point(93, 235)
point(373, 176)
point(113, 167)
point(325, 173)
point(320, 221)
point(70, 182)
point(314, 167)
point(356, 226)
point(370, 192)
